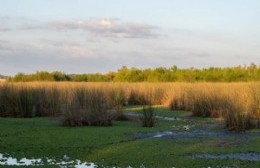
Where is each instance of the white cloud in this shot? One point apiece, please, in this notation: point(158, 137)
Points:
point(99, 27)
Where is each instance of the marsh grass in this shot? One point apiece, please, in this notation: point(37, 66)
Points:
point(17, 102)
point(98, 103)
point(117, 100)
point(135, 97)
point(148, 116)
point(237, 103)
point(86, 107)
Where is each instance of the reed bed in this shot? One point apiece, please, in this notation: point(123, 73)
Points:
point(99, 103)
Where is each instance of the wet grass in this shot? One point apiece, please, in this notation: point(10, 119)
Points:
point(116, 145)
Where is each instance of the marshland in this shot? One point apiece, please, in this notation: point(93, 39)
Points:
point(130, 83)
point(111, 124)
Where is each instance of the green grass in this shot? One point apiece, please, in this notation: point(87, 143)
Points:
point(159, 110)
point(115, 146)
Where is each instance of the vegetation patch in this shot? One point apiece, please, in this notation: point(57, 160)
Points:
point(117, 146)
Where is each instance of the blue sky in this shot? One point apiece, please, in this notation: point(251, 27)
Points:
point(82, 36)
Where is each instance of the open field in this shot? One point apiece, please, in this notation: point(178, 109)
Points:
point(201, 124)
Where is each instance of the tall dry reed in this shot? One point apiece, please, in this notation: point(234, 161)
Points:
point(91, 103)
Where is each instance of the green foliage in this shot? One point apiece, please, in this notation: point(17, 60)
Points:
point(40, 76)
point(160, 74)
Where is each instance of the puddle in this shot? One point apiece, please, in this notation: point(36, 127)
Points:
point(162, 134)
point(240, 156)
point(10, 161)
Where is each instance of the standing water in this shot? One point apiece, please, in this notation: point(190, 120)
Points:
point(11, 161)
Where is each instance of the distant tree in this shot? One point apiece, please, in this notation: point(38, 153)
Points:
point(160, 74)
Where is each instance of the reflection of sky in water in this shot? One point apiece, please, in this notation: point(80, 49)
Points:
point(8, 160)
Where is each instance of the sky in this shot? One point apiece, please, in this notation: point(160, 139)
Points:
point(89, 36)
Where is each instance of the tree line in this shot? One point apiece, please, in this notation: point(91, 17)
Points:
point(160, 74)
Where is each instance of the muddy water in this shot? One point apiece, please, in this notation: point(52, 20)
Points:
point(11, 161)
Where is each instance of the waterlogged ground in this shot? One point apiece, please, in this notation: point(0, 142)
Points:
point(177, 140)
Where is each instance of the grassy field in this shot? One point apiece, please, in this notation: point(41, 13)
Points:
point(118, 145)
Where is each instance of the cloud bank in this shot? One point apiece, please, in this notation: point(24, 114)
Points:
point(103, 44)
point(114, 28)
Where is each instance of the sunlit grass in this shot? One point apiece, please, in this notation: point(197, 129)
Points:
point(237, 103)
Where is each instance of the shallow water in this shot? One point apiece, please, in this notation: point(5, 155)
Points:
point(11, 161)
point(157, 117)
point(197, 133)
point(241, 156)
point(161, 134)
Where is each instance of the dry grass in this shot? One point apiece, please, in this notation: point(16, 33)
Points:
point(92, 103)
point(237, 103)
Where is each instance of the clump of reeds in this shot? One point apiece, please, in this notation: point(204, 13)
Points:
point(47, 100)
point(205, 104)
point(148, 116)
point(7, 101)
point(17, 101)
point(242, 111)
point(255, 105)
point(26, 105)
point(237, 103)
point(178, 102)
point(176, 97)
point(86, 107)
point(135, 97)
point(117, 100)
point(235, 119)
